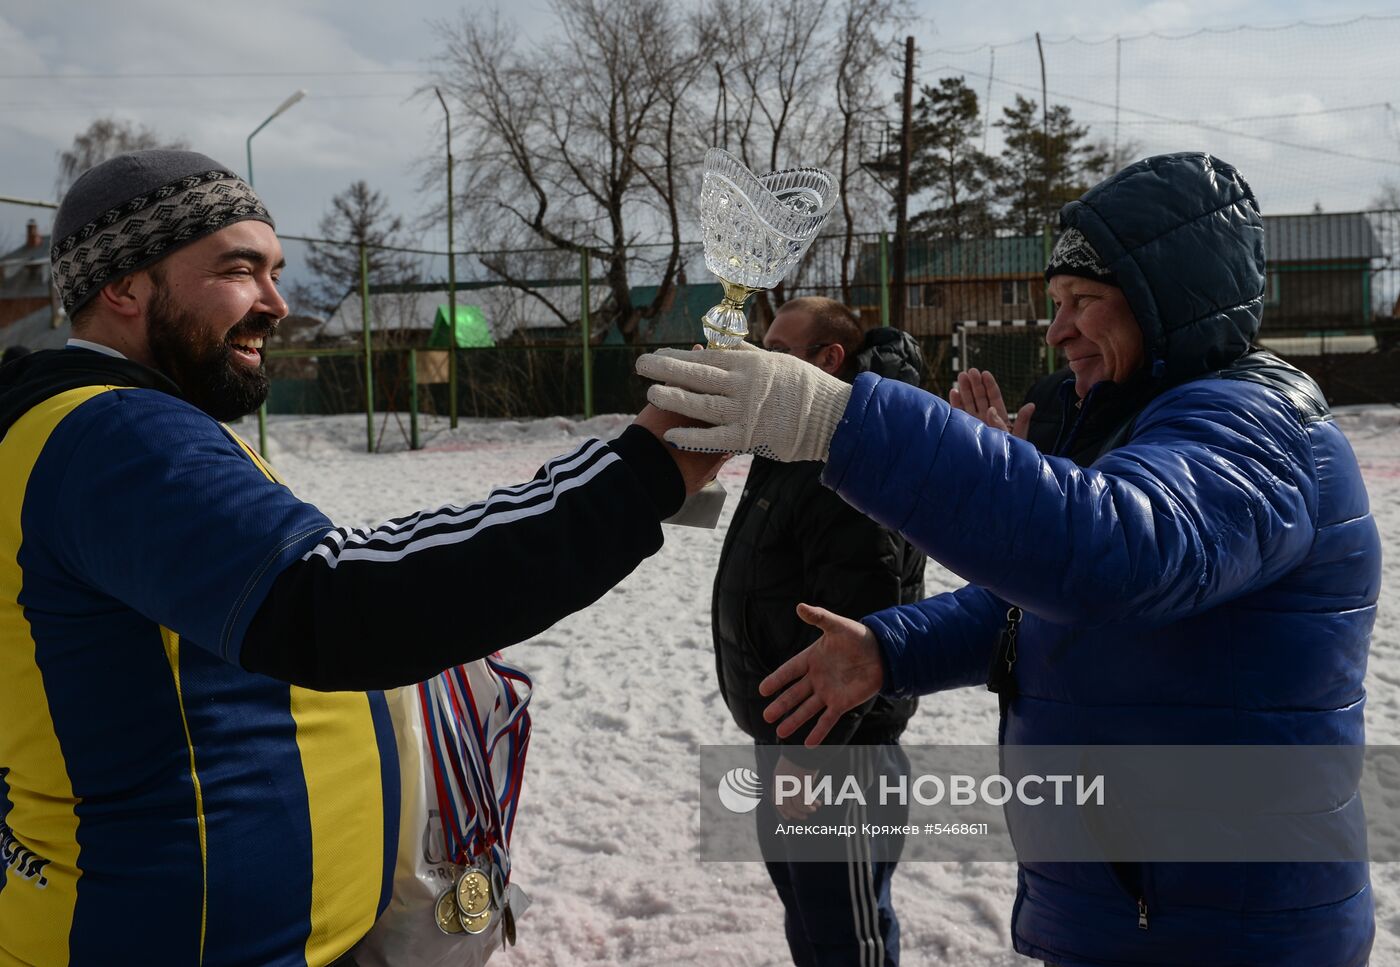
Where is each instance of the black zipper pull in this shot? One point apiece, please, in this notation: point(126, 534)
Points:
point(1013, 623)
point(999, 676)
point(1142, 914)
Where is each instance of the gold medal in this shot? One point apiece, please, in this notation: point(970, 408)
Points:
point(473, 895)
point(475, 925)
point(445, 912)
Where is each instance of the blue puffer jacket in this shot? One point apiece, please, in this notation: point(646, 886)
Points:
point(1213, 580)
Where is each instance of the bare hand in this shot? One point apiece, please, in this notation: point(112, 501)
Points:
point(793, 807)
point(697, 469)
point(978, 394)
point(833, 675)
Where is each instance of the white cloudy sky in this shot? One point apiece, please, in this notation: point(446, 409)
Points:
point(64, 63)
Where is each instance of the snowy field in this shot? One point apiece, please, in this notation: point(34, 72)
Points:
point(625, 695)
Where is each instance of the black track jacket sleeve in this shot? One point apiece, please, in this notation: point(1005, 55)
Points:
point(396, 604)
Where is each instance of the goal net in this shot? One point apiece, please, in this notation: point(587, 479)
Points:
point(1015, 353)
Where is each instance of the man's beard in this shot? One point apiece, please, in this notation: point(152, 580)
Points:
point(202, 364)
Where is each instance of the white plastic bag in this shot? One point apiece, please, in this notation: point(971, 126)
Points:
point(407, 934)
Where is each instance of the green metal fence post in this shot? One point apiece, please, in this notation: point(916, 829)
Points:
point(413, 442)
point(884, 278)
point(262, 423)
point(369, 354)
point(586, 325)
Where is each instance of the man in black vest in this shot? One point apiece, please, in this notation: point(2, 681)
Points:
point(794, 541)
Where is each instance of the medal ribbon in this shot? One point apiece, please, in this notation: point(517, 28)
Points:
point(476, 817)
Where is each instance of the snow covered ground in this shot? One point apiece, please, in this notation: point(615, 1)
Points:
point(625, 695)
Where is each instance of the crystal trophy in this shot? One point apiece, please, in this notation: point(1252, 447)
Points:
point(756, 228)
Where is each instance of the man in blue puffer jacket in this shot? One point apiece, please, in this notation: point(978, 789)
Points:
point(1208, 575)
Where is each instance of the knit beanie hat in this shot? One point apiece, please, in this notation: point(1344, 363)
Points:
point(133, 210)
point(1073, 255)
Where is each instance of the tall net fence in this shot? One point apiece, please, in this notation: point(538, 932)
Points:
point(1307, 111)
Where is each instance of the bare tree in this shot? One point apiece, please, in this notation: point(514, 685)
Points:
point(579, 143)
point(590, 140)
point(776, 65)
point(775, 105)
point(1388, 196)
point(795, 86)
point(1114, 158)
point(105, 138)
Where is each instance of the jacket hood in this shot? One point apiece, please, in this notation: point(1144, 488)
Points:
point(891, 353)
point(28, 381)
point(1183, 235)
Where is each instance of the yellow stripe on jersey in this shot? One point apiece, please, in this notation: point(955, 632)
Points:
point(347, 833)
point(35, 917)
point(171, 640)
point(334, 730)
point(254, 456)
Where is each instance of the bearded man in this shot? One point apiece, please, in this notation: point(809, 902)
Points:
point(178, 781)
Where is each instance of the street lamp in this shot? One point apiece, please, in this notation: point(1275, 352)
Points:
point(280, 108)
point(262, 410)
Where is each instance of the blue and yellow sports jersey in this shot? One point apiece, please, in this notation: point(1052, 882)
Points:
point(158, 803)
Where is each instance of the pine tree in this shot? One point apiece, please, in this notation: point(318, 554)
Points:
point(1038, 175)
point(948, 165)
point(358, 215)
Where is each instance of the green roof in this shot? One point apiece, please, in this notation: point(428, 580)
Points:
point(681, 322)
point(1017, 255)
point(471, 329)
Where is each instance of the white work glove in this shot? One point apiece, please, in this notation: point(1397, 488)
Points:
point(771, 404)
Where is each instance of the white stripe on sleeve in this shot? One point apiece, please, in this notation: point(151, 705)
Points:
point(396, 540)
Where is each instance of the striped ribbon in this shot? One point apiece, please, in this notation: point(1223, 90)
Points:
point(476, 817)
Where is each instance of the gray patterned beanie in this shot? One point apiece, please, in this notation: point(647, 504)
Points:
point(1073, 255)
point(133, 210)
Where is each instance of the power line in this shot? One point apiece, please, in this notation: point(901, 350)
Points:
point(16, 106)
point(1204, 126)
point(211, 74)
point(1158, 35)
point(1378, 105)
point(1306, 114)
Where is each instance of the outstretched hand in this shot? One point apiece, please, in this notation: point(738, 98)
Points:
point(771, 404)
point(837, 672)
point(978, 394)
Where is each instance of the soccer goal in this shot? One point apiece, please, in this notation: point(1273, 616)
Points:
point(1014, 352)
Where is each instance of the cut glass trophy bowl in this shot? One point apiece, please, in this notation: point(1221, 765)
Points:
point(756, 228)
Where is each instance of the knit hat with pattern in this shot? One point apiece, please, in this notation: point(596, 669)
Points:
point(133, 210)
point(1073, 255)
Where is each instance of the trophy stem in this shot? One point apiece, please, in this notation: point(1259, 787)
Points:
point(735, 295)
point(725, 324)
